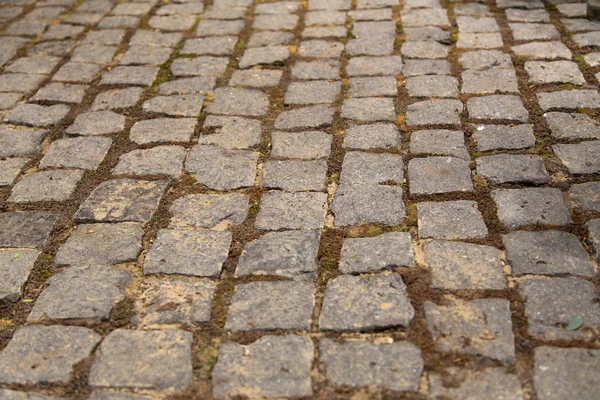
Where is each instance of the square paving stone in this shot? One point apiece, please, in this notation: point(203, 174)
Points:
point(218, 45)
point(145, 55)
point(369, 109)
point(81, 152)
point(365, 303)
point(10, 169)
point(551, 303)
point(572, 126)
point(61, 92)
point(419, 17)
point(440, 142)
point(526, 4)
point(172, 23)
point(503, 137)
point(174, 301)
point(329, 4)
point(34, 65)
point(481, 60)
point(547, 253)
point(121, 200)
point(376, 86)
point(15, 395)
point(144, 359)
point(26, 228)
point(516, 15)
point(198, 84)
point(368, 254)
point(188, 7)
point(312, 92)
point(543, 50)
point(320, 49)
point(580, 25)
point(562, 372)
point(77, 72)
point(394, 366)
point(101, 244)
point(211, 27)
point(275, 22)
point(27, 28)
point(431, 175)
point(521, 207)
point(35, 115)
point(151, 38)
point(372, 136)
point(571, 99)
point(9, 100)
point(40, 354)
point(188, 252)
point(93, 53)
point(434, 112)
point(163, 130)
point(139, 76)
point(572, 10)
point(199, 66)
point(295, 175)
point(428, 49)
point(581, 158)
point(103, 286)
point(271, 305)
point(533, 31)
point(371, 168)
point(160, 160)
point(489, 81)
point(478, 327)
point(225, 12)
point(210, 211)
point(500, 107)
point(86, 19)
point(107, 37)
point(55, 185)
point(117, 98)
point(493, 383)
point(469, 24)
point(62, 31)
point(97, 123)
point(453, 220)
point(325, 18)
point(464, 266)
point(317, 32)
point(275, 55)
point(589, 39)
point(184, 105)
point(376, 45)
point(360, 204)
point(266, 38)
point(20, 82)
point(518, 168)
point(272, 366)
point(15, 266)
point(479, 41)
point(299, 210)
point(317, 69)
point(311, 117)
point(256, 78)
point(291, 254)
point(432, 86)
point(301, 145)
point(585, 195)
point(235, 101)
point(283, 7)
point(427, 33)
point(369, 66)
point(221, 169)
point(231, 132)
point(138, 9)
point(541, 72)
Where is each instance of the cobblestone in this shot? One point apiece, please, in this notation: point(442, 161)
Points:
point(431, 175)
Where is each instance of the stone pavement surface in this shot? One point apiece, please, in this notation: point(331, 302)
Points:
point(317, 199)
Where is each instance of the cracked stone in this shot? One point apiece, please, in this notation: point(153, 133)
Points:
point(291, 254)
point(365, 303)
point(121, 200)
point(386, 251)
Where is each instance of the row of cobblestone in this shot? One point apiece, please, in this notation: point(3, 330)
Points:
point(320, 199)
